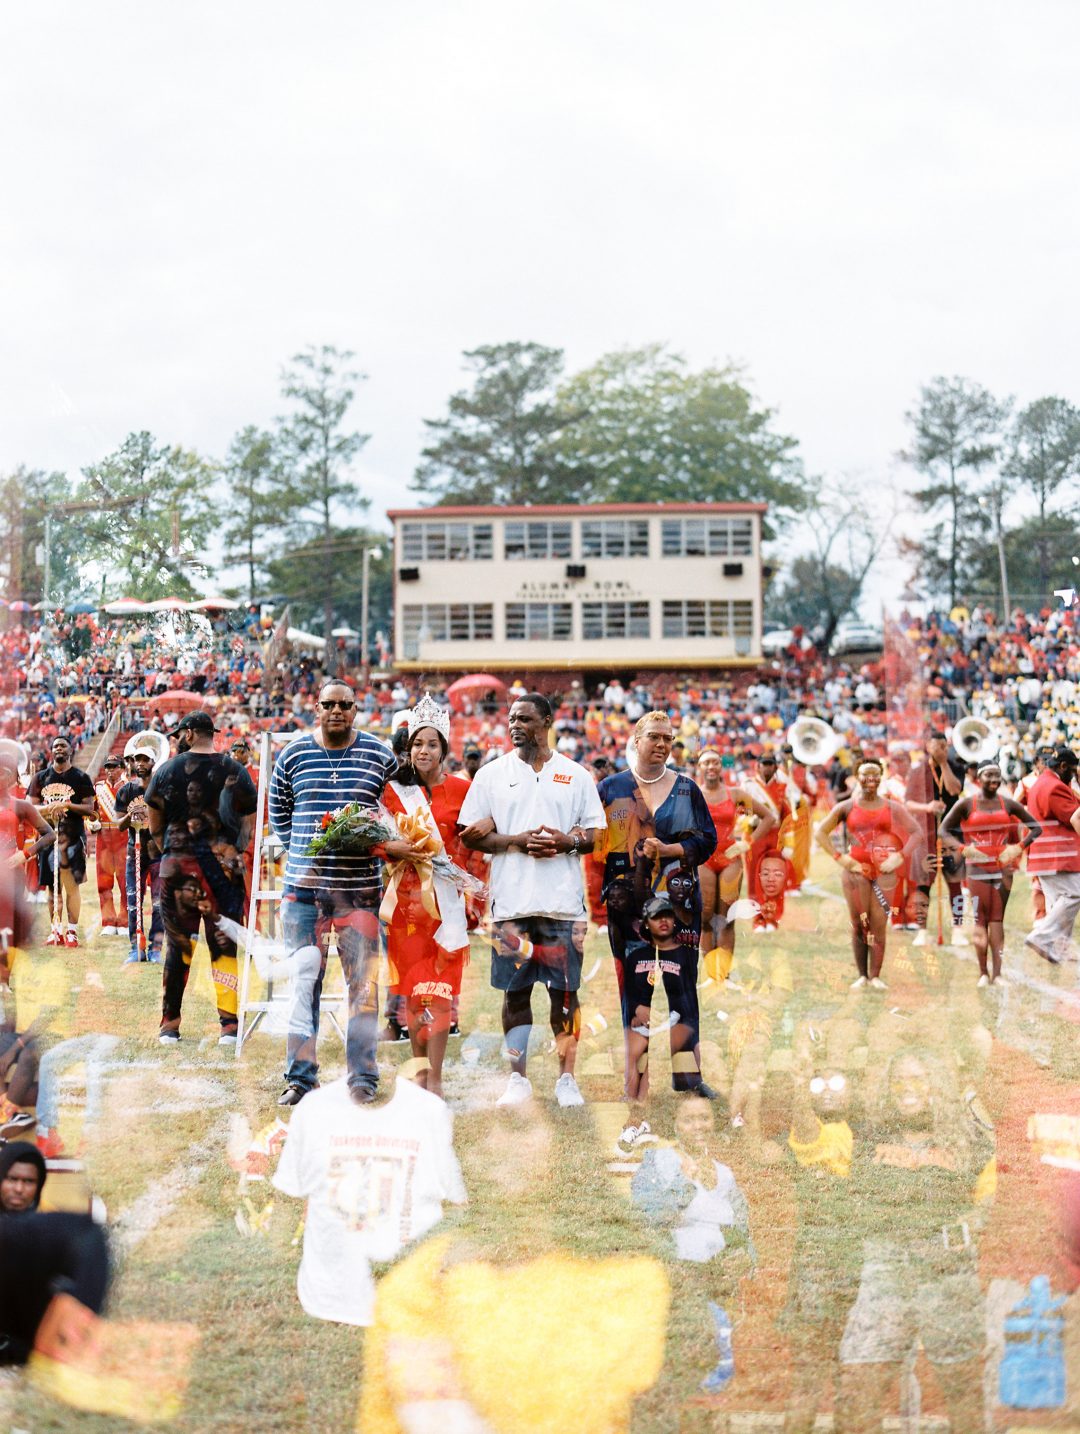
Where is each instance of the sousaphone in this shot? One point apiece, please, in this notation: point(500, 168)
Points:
point(813, 742)
point(153, 744)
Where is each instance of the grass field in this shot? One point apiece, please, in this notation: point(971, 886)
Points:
point(157, 1157)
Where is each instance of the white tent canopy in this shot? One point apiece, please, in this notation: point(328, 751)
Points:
point(299, 638)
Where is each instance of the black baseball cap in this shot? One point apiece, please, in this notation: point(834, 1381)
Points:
point(1064, 756)
point(111, 762)
point(472, 750)
point(196, 722)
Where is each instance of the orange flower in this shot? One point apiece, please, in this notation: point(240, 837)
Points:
point(327, 820)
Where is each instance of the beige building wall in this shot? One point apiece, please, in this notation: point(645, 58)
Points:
point(663, 586)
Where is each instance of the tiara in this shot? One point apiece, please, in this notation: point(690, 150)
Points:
point(428, 713)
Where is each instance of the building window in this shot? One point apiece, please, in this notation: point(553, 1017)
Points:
point(615, 538)
point(438, 542)
point(719, 617)
point(539, 621)
point(614, 619)
point(706, 537)
point(446, 622)
point(536, 540)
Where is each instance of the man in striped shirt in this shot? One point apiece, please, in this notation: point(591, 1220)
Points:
point(312, 776)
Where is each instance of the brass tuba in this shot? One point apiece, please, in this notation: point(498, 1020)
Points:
point(974, 740)
point(153, 744)
point(813, 742)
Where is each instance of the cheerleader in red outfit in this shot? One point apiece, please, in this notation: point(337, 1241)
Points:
point(771, 871)
point(720, 879)
point(992, 846)
point(427, 952)
point(881, 835)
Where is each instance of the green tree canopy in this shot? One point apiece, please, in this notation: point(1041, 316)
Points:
point(1044, 458)
point(956, 433)
point(497, 442)
point(317, 450)
point(651, 428)
point(25, 494)
point(153, 545)
point(258, 501)
point(823, 585)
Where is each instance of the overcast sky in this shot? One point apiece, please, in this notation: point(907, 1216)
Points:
point(848, 198)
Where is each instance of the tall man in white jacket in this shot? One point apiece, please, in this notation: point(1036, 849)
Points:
point(535, 812)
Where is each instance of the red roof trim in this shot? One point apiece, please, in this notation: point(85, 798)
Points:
point(560, 509)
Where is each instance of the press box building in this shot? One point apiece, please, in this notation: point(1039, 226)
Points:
point(605, 586)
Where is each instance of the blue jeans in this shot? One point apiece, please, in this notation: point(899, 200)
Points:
point(148, 873)
point(310, 924)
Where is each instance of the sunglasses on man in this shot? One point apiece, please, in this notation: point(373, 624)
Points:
point(333, 703)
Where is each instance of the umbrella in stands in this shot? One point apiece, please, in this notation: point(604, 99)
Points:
point(81, 607)
point(21, 606)
point(178, 699)
point(123, 606)
point(475, 688)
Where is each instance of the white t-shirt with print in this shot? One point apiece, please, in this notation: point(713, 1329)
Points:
point(374, 1178)
point(562, 795)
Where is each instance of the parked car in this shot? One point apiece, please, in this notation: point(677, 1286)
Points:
point(777, 641)
point(856, 637)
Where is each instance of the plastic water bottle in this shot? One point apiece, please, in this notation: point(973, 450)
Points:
point(1032, 1373)
point(720, 1377)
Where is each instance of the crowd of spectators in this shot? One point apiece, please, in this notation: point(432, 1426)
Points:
point(66, 675)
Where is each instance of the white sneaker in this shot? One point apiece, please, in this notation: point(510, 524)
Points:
point(1000, 979)
point(959, 937)
point(983, 981)
point(567, 1092)
point(226, 1040)
point(921, 937)
point(858, 983)
point(878, 984)
point(517, 1092)
point(634, 1135)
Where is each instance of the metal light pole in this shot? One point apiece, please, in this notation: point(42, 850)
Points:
point(369, 553)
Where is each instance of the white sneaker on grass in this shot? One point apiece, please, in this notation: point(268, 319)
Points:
point(858, 983)
point(878, 984)
point(567, 1092)
point(517, 1092)
point(921, 937)
point(983, 981)
point(634, 1135)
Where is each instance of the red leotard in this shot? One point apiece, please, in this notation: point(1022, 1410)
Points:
point(864, 824)
point(724, 815)
point(9, 830)
point(990, 832)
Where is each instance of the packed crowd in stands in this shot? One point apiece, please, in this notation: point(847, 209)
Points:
point(65, 678)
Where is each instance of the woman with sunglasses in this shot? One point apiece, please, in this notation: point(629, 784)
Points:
point(882, 836)
point(428, 951)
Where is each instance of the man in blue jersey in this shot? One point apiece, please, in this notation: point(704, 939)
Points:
point(312, 776)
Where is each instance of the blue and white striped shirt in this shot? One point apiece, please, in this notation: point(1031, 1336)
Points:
point(303, 790)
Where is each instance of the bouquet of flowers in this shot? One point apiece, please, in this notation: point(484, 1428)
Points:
point(351, 830)
point(414, 828)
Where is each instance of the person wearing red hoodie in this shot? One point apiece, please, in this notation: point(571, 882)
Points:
point(1055, 856)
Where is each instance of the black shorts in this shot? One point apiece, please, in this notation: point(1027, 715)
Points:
point(530, 949)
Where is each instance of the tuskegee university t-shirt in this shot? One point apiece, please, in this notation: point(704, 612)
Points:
point(374, 1177)
point(561, 795)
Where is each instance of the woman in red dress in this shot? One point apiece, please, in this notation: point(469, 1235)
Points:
point(881, 836)
point(992, 847)
point(720, 878)
point(427, 951)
